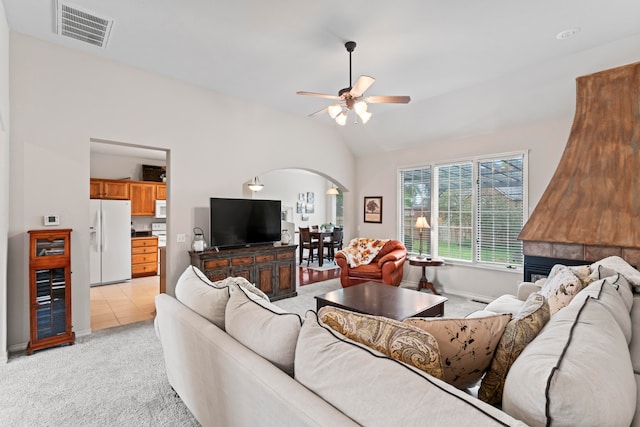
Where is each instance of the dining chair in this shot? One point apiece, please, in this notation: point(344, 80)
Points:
point(335, 242)
point(306, 242)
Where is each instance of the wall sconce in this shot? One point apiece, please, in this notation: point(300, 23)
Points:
point(421, 224)
point(255, 185)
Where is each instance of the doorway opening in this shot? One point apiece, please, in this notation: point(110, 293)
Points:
point(127, 297)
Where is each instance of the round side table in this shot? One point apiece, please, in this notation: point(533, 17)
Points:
point(424, 263)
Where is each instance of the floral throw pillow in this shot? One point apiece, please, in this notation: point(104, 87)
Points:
point(561, 288)
point(520, 331)
point(401, 342)
point(466, 345)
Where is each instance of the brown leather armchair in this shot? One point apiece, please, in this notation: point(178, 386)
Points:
point(386, 267)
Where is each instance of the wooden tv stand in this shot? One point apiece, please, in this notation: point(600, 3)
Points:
point(271, 268)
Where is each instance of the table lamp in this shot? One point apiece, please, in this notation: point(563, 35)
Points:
point(421, 224)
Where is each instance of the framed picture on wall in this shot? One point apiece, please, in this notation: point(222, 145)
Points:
point(373, 209)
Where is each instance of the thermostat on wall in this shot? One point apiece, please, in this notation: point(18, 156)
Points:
point(51, 219)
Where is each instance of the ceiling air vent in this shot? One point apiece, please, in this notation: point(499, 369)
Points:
point(83, 25)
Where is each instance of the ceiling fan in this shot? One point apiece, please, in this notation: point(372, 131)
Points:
point(352, 97)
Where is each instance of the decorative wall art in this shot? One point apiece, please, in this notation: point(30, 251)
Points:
point(373, 209)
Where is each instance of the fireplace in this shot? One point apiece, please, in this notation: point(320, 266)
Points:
point(538, 267)
point(591, 206)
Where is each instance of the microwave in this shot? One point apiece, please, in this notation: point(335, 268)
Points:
point(161, 208)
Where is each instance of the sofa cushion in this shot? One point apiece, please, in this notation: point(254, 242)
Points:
point(520, 331)
point(207, 298)
point(607, 295)
point(375, 390)
point(505, 304)
point(622, 284)
point(634, 345)
point(466, 345)
point(263, 327)
point(395, 339)
point(561, 288)
point(619, 265)
point(577, 371)
point(197, 292)
point(367, 271)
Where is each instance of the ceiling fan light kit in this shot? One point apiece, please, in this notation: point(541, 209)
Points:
point(351, 98)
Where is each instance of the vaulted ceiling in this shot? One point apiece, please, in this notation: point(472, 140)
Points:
point(470, 67)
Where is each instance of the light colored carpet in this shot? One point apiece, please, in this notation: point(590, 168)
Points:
point(116, 376)
point(113, 377)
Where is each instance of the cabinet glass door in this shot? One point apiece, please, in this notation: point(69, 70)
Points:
point(50, 247)
point(50, 298)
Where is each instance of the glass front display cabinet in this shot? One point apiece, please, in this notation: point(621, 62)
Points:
point(50, 289)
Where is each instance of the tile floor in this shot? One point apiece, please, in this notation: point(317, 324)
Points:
point(129, 302)
point(123, 303)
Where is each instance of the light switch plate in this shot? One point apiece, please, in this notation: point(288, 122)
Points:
point(182, 238)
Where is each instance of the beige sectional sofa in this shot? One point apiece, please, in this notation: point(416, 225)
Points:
point(232, 368)
point(236, 359)
point(583, 367)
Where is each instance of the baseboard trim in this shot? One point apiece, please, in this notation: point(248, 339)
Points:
point(18, 347)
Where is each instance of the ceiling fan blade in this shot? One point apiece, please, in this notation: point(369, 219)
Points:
point(388, 99)
point(319, 111)
point(362, 84)
point(321, 95)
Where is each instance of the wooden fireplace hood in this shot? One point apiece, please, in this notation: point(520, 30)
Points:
point(594, 195)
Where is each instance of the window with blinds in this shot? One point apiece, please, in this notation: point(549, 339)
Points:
point(475, 209)
point(455, 211)
point(415, 195)
point(500, 210)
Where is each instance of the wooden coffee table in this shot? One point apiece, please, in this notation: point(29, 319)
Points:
point(384, 300)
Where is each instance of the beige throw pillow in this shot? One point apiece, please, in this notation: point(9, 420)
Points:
point(397, 340)
point(207, 298)
point(520, 331)
point(466, 345)
point(263, 327)
point(560, 289)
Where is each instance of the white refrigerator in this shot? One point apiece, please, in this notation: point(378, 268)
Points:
point(109, 241)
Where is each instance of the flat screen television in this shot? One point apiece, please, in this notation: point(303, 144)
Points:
point(244, 222)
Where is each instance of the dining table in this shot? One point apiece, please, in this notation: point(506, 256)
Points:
point(320, 235)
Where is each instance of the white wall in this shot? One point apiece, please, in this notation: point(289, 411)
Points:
point(212, 152)
point(4, 177)
point(545, 142)
point(109, 166)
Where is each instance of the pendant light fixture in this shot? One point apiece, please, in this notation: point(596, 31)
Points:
point(333, 191)
point(255, 185)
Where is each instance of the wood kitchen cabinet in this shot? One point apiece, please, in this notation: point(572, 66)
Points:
point(50, 288)
point(108, 189)
point(161, 191)
point(270, 268)
point(143, 198)
point(144, 256)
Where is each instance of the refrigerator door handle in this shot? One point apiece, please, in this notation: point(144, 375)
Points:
point(95, 232)
point(103, 231)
